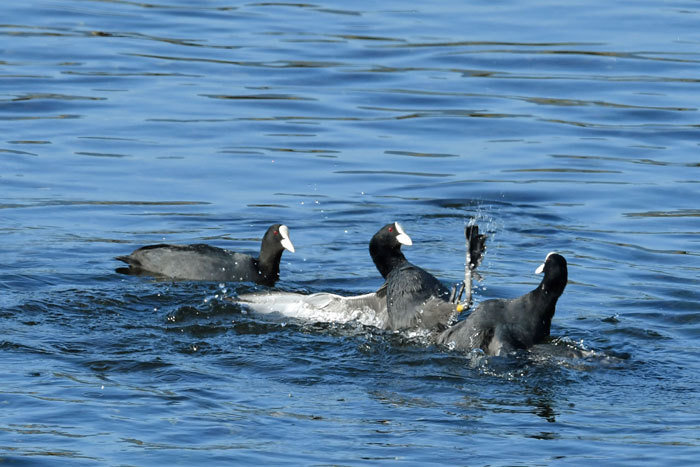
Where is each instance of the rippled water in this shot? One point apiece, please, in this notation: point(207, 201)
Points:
point(570, 127)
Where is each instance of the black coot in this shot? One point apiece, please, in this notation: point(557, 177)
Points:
point(202, 262)
point(499, 326)
point(414, 297)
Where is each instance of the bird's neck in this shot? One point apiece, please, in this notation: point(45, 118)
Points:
point(544, 312)
point(386, 260)
point(269, 266)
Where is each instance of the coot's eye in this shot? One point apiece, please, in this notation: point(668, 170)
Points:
point(391, 229)
point(276, 232)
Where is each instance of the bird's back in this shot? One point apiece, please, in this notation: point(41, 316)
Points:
point(499, 325)
point(192, 262)
point(415, 298)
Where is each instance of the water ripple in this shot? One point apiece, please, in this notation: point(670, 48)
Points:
point(569, 128)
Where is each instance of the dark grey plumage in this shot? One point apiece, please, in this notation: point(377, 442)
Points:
point(202, 262)
point(414, 297)
point(499, 326)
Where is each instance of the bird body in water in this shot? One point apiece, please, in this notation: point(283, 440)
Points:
point(499, 326)
point(200, 262)
point(414, 297)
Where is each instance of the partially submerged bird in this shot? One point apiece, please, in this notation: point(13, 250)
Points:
point(499, 326)
point(385, 250)
point(201, 262)
point(417, 299)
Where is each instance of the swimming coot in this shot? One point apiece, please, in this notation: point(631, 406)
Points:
point(499, 326)
point(200, 262)
point(414, 297)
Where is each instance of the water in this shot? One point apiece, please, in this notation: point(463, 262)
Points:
point(569, 127)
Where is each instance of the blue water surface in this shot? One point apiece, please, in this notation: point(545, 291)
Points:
point(570, 127)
